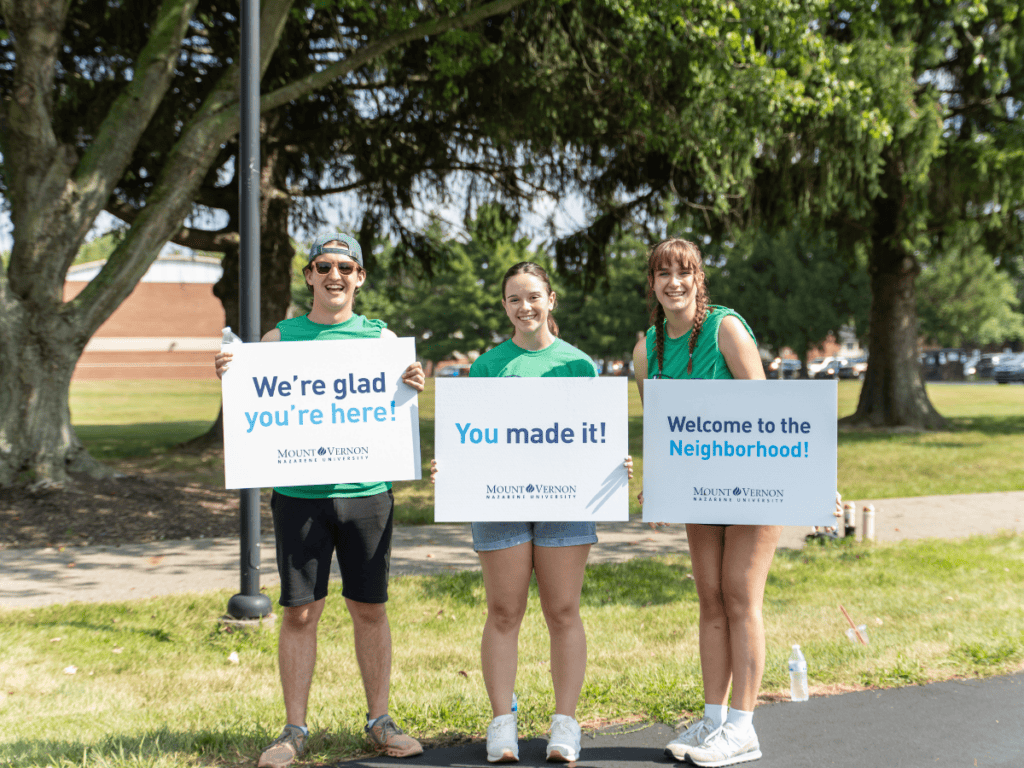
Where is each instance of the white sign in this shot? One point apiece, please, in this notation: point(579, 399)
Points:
point(740, 451)
point(316, 412)
point(531, 449)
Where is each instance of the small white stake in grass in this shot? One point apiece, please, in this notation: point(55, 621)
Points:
point(233, 657)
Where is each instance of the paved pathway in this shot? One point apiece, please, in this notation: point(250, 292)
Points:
point(34, 577)
point(954, 724)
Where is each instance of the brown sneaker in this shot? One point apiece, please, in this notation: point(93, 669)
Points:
point(385, 736)
point(284, 749)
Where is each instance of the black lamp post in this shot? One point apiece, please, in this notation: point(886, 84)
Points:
point(250, 603)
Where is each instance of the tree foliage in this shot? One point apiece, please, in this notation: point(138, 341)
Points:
point(793, 288)
point(964, 299)
point(457, 307)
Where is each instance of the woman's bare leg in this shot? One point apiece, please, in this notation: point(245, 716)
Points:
point(747, 556)
point(707, 543)
point(507, 582)
point(560, 572)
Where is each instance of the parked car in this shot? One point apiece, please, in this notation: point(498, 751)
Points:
point(790, 369)
point(1012, 369)
point(943, 364)
point(986, 365)
point(971, 363)
point(831, 370)
point(854, 368)
point(818, 363)
point(453, 369)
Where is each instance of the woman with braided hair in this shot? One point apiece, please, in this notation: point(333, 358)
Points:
point(693, 339)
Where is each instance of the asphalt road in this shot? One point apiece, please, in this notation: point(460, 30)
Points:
point(954, 724)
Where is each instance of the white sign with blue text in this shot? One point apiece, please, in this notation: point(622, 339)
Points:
point(531, 449)
point(740, 451)
point(318, 412)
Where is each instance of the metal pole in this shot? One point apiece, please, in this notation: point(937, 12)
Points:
point(249, 603)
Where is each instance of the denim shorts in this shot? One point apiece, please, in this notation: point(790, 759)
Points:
point(488, 537)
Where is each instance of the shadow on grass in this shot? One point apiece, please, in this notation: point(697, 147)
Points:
point(464, 588)
point(640, 582)
point(989, 426)
point(126, 441)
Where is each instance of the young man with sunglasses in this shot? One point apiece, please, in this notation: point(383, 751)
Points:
point(313, 522)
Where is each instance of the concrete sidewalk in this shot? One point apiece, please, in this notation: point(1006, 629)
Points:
point(36, 577)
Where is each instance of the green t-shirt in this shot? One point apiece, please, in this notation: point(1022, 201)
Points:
point(303, 329)
point(558, 359)
point(708, 361)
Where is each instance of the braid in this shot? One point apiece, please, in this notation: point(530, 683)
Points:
point(698, 321)
point(659, 337)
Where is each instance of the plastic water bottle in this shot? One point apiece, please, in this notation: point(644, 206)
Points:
point(797, 675)
point(227, 336)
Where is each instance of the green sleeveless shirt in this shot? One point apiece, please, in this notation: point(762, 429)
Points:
point(708, 362)
point(303, 329)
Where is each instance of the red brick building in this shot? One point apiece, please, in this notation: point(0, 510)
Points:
point(168, 328)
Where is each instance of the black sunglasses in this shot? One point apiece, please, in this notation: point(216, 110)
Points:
point(325, 267)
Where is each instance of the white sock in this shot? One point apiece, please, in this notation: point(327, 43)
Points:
point(370, 723)
point(744, 721)
point(716, 713)
point(303, 728)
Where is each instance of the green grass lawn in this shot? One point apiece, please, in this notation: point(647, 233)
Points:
point(138, 423)
point(152, 683)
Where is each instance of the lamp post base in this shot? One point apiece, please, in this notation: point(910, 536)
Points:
point(249, 606)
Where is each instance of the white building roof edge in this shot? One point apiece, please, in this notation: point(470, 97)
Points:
point(172, 268)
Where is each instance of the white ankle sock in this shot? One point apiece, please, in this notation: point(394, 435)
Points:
point(744, 721)
point(716, 713)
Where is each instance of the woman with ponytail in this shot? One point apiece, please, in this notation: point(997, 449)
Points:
point(556, 551)
point(693, 339)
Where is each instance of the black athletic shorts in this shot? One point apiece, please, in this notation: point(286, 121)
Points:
point(310, 531)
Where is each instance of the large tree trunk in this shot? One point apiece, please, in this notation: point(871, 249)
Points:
point(37, 358)
point(893, 394)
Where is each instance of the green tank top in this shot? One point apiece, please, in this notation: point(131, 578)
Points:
point(303, 329)
point(708, 361)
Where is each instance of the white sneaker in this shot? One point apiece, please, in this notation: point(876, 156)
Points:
point(503, 740)
point(689, 738)
point(726, 746)
point(564, 744)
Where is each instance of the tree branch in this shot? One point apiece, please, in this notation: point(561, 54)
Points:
point(312, 82)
